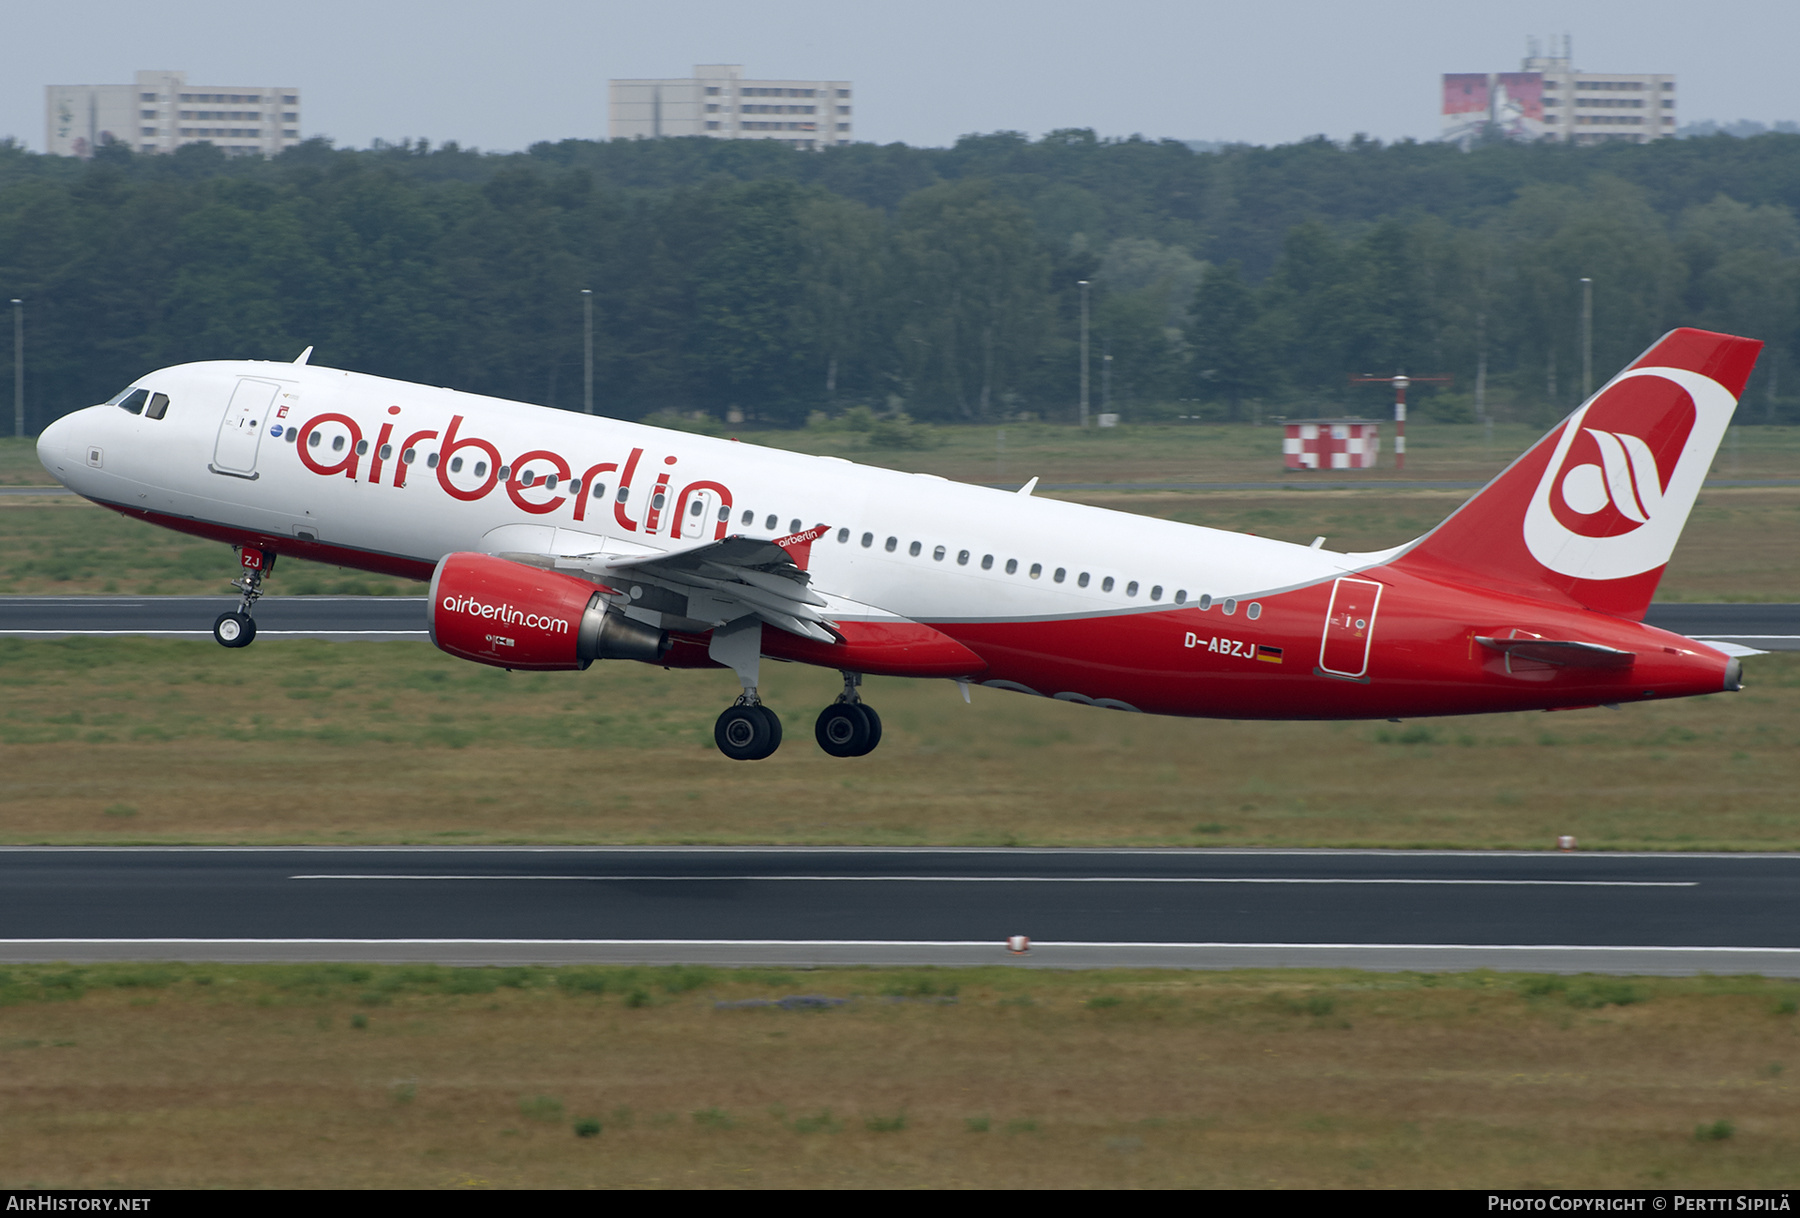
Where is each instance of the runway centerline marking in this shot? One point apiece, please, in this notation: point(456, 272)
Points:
point(1013, 879)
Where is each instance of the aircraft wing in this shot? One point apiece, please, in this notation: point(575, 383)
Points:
point(731, 578)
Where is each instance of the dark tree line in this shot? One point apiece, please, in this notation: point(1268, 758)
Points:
point(945, 282)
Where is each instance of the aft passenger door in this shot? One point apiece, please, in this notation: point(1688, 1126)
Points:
point(1349, 629)
point(240, 431)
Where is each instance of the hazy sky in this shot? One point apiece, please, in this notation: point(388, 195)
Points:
point(505, 75)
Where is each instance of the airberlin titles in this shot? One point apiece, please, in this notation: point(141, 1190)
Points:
point(481, 459)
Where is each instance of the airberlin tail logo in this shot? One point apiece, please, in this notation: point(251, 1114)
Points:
point(1625, 472)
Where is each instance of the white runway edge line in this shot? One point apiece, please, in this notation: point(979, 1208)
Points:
point(981, 943)
point(1016, 879)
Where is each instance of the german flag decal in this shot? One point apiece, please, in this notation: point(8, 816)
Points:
point(1271, 654)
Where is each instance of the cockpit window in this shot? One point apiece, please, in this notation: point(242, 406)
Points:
point(132, 400)
point(159, 406)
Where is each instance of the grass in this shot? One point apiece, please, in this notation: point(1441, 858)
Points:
point(228, 1076)
point(121, 740)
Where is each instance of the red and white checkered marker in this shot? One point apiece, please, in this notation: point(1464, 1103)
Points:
point(1331, 444)
point(1565, 843)
point(1018, 945)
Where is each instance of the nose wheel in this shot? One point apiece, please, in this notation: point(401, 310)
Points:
point(237, 628)
point(234, 629)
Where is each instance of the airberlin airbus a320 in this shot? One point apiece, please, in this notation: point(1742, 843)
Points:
point(554, 539)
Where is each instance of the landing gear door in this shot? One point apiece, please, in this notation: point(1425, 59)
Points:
point(240, 431)
point(1349, 628)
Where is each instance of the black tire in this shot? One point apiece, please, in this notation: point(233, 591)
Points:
point(874, 728)
point(774, 722)
point(234, 629)
point(842, 730)
point(744, 733)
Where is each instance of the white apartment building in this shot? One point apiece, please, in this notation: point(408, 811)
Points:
point(1549, 99)
point(717, 101)
point(161, 112)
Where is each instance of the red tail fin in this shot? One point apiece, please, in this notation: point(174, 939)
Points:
point(1592, 511)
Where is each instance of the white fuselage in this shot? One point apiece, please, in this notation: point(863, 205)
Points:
point(211, 461)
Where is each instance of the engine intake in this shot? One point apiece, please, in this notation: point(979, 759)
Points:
point(495, 611)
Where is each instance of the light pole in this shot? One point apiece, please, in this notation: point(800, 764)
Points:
point(587, 350)
point(18, 367)
point(1587, 339)
point(1084, 353)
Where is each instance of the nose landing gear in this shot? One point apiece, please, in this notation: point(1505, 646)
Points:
point(237, 628)
point(848, 727)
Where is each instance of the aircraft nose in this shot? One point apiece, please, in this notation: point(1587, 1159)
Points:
point(55, 443)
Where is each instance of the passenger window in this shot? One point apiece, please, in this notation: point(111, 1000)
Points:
point(337, 443)
point(937, 555)
point(455, 463)
point(1156, 593)
point(481, 469)
point(1205, 601)
point(293, 434)
point(1037, 569)
point(574, 488)
point(892, 542)
point(132, 401)
point(362, 446)
point(1131, 588)
point(1230, 606)
point(868, 540)
point(794, 526)
point(1081, 581)
point(724, 514)
point(656, 501)
point(505, 473)
point(622, 496)
point(843, 536)
point(1254, 611)
point(962, 558)
point(692, 511)
point(525, 479)
point(987, 562)
point(387, 451)
point(599, 491)
point(1012, 566)
point(409, 456)
point(914, 549)
point(1181, 597)
point(749, 519)
point(769, 524)
point(1060, 573)
point(159, 406)
point(1106, 584)
point(550, 483)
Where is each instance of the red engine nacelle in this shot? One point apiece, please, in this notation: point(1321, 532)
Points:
point(495, 611)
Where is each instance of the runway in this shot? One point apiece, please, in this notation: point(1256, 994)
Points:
point(1770, 627)
point(799, 907)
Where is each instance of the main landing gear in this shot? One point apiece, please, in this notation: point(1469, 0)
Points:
point(848, 727)
point(750, 731)
point(237, 628)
